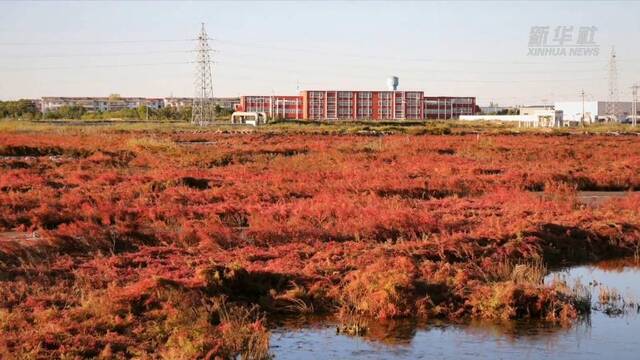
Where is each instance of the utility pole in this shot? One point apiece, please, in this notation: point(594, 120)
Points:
point(613, 85)
point(203, 110)
point(582, 118)
point(634, 105)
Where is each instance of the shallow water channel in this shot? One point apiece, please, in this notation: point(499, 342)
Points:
point(605, 334)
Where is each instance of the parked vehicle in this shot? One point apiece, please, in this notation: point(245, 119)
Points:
point(606, 118)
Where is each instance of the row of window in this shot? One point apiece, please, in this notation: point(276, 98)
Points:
point(288, 111)
point(455, 111)
point(449, 102)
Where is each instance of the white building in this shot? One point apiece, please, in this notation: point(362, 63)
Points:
point(102, 104)
point(228, 103)
point(530, 116)
point(594, 111)
point(493, 109)
point(248, 118)
point(178, 102)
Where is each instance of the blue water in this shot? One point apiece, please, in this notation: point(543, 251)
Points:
point(599, 336)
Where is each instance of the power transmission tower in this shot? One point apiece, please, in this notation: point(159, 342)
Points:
point(613, 85)
point(203, 110)
point(634, 105)
point(582, 118)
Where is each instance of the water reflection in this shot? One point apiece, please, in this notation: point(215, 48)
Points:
point(390, 332)
point(594, 337)
point(613, 284)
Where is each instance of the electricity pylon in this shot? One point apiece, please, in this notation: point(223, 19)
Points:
point(203, 110)
point(634, 105)
point(613, 85)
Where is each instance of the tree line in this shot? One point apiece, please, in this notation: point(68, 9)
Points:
point(18, 109)
point(139, 113)
point(27, 110)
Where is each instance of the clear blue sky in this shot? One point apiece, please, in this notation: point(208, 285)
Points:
point(461, 48)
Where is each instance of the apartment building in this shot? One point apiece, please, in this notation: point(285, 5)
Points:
point(277, 107)
point(100, 104)
point(448, 107)
point(359, 105)
point(228, 103)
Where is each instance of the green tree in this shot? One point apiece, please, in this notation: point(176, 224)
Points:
point(167, 113)
point(185, 114)
point(142, 111)
point(22, 108)
point(68, 112)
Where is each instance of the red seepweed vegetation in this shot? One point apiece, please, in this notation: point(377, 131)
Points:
point(137, 244)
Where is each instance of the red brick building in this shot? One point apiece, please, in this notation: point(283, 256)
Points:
point(356, 105)
point(276, 106)
point(359, 105)
point(447, 107)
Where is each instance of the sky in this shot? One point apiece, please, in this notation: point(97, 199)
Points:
point(476, 49)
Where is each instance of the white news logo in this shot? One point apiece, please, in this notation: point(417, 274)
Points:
point(563, 41)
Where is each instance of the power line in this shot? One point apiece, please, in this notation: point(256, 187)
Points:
point(283, 68)
point(420, 68)
point(289, 70)
point(428, 79)
point(93, 42)
point(94, 66)
point(333, 53)
point(359, 66)
point(96, 54)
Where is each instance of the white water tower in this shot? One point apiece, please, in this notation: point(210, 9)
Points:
point(392, 83)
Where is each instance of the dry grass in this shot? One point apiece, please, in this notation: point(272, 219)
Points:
point(383, 289)
point(607, 295)
point(295, 300)
point(153, 145)
point(243, 330)
point(144, 231)
point(352, 322)
point(613, 303)
point(519, 272)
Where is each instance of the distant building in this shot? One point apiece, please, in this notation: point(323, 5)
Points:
point(494, 109)
point(361, 105)
point(447, 107)
point(545, 115)
point(530, 116)
point(358, 105)
point(594, 111)
point(178, 102)
point(100, 104)
point(37, 103)
point(530, 108)
point(285, 107)
point(227, 103)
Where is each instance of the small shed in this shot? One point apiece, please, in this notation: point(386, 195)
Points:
point(254, 118)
